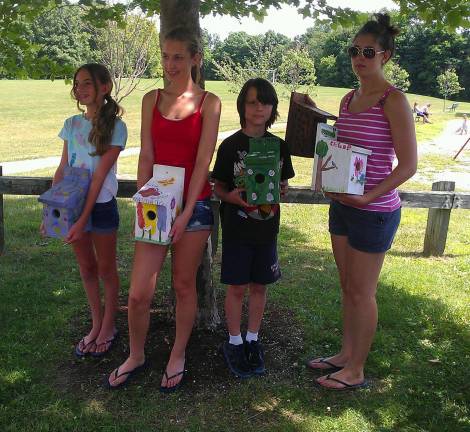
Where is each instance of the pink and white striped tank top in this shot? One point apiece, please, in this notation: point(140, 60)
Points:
point(370, 129)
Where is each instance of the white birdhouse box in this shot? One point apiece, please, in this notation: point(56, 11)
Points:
point(158, 203)
point(338, 167)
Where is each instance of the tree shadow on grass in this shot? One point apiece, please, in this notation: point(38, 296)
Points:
point(417, 364)
point(412, 367)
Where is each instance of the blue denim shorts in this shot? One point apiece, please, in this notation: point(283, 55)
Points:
point(367, 231)
point(202, 218)
point(105, 217)
point(245, 263)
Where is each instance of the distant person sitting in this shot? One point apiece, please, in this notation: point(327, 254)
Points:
point(418, 111)
point(463, 129)
point(426, 113)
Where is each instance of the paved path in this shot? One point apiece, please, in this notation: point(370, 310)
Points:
point(447, 144)
point(23, 166)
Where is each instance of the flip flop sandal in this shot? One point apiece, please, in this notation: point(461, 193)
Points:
point(175, 387)
point(129, 374)
point(331, 367)
point(80, 353)
point(98, 354)
point(363, 384)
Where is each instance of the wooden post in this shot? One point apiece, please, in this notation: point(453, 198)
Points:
point(2, 224)
point(438, 223)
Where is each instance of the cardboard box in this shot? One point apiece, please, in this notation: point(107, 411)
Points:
point(64, 201)
point(158, 203)
point(338, 167)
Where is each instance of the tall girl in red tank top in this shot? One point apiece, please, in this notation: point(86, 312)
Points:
point(179, 128)
point(376, 116)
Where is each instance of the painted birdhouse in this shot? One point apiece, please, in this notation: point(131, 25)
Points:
point(263, 171)
point(302, 121)
point(158, 203)
point(338, 167)
point(64, 201)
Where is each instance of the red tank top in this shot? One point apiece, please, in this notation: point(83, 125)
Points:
point(175, 143)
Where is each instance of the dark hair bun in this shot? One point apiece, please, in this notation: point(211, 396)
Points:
point(384, 20)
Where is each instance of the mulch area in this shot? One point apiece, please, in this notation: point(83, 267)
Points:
point(280, 334)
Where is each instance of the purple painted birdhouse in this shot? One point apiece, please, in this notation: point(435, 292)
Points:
point(64, 201)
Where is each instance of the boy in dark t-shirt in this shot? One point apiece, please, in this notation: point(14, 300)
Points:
point(249, 232)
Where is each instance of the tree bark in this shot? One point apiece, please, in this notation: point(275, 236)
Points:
point(176, 13)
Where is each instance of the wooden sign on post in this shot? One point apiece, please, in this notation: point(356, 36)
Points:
point(302, 121)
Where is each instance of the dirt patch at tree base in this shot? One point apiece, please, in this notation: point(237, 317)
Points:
point(281, 337)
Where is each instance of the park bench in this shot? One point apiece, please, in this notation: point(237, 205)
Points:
point(453, 107)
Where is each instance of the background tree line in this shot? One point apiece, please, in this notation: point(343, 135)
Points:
point(65, 39)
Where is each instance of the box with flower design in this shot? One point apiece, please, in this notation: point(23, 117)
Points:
point(338, 167)
point(158, 203)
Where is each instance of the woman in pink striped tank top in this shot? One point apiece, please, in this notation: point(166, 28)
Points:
point(378, 117)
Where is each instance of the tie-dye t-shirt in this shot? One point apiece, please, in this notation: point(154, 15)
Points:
point(76, 131)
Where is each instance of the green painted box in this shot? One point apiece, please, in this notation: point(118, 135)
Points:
point(263, 171)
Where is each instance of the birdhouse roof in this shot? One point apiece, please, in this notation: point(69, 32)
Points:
point(66, 194)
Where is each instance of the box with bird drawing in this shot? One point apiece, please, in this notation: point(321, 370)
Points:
point(338, 167)
point(158, 203)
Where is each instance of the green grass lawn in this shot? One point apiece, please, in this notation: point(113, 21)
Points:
point(417, 366)
point(33, 112)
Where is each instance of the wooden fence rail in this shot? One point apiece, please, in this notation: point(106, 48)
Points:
point(441, 200)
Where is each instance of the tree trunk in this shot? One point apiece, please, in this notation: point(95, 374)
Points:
point(176, 13)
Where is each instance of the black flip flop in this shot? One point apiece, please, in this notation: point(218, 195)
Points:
point(331, 367)
point(98, 354)
point(175, 387)
point(363, 384)
point(129, 374)
point(78, 352)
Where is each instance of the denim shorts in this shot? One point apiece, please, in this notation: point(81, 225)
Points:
point(367, 231)
point(105, 217)
point(245, 263)
point(202, 218)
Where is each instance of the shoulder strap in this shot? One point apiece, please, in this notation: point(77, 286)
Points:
point(202, 101)
point(347, 100)
point(157, 96)
point(385, 95)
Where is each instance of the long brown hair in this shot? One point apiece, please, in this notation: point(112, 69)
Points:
point(105, 118)
point(182, 34)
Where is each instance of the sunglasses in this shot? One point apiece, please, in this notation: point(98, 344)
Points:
point(367, 52)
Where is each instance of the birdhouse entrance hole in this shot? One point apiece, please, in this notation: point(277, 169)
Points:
point(151, 215)
point(259, 178)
